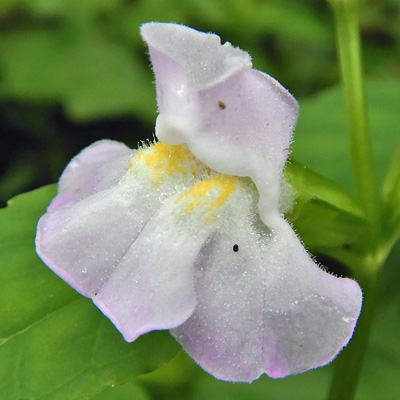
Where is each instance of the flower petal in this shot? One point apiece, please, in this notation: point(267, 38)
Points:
point(103, 203)
point(264, 305)
point(152, 287)
point(131, 245)
point(97, 167)
point(234, 119)
point(84, 242)
point(158, 240)
point(199, 54)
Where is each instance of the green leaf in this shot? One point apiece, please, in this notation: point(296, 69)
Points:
point(54, 343)
point(325, 216)
point(88, 74)
point(321, 140)
point(129, 391)
point(391, 197)
point(309, 185)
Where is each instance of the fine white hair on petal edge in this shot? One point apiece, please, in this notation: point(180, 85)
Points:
point(249, 135)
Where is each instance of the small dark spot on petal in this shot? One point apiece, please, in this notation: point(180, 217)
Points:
point(221, 105)
point(235, 248)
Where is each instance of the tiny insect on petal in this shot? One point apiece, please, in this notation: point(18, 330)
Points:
point(221, 105)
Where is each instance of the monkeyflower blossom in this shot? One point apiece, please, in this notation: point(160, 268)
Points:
point(173, 235)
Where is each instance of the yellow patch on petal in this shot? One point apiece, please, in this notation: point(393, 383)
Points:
point(208, 195)
point(162, 160)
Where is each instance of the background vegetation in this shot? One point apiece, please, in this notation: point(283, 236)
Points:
point(74, 71)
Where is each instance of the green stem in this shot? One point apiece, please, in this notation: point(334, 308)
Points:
point(348, 38)
point(367, 270)
point(349, 363)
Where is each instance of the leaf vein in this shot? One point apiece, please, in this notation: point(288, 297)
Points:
point(3, 341)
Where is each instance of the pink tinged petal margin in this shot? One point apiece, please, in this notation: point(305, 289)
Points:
point(100, 209)
point(97, 167)
point(124, 243)
point(267, 308)
point(82, 236)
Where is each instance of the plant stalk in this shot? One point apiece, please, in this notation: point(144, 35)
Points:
point(349, 49)
point(368, 271)
point(348, 365)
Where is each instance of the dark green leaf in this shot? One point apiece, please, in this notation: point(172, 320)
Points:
point(54, 343)
point(324, 215)
point(391, 197)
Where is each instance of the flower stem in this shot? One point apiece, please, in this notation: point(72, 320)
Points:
point(367, 270)
point(348, 39)
point(349, 363)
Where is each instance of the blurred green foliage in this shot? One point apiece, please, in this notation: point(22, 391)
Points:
point(74, 71)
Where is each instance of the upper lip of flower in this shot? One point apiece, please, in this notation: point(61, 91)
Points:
point(249, 135)
point(206, 63)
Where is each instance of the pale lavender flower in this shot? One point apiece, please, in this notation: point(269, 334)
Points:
point(170, 236)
